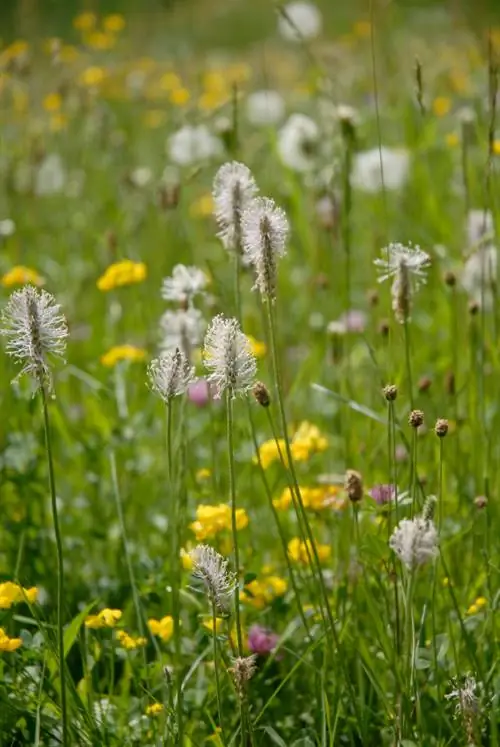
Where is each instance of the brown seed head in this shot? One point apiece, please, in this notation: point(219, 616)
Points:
point(353, 484)
point(473, 307)
point(450, 278)
point(384, 327)
point(441, 428)
point(416, 418)
point(390, 392)
point(480, 501)
point(261, 394)
point(424, 384)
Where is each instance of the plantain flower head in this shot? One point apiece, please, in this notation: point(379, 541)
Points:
point(227, 354)
point(170, 375)
point(233, 190)
point(265, 232)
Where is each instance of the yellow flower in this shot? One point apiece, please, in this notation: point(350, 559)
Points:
point(186, 560)
point(163, 628)
point(269, 452)
point(362, 29)
point(84, 21)
point(154, 710)
point(68, 53)
point(14, 51)
point(106, 618)
point(473, 609)
point(446, 581)
point(496, 147)
point(130, 643)
point(481, 602)
point(203, 474)
point(122, 353)
point(92, 76)
point(11, 593)
point(203, 207)
point(299, 551)
point(209, 624)
point(259, 349)
point(52, 102)
point(284, 501)
point(100, 40)
point(170, 82)
point(154, 118)
point(452, 140)
point(260, 593)
point(307, 440)
point(210, 520)
point(114, 23)
point(441, 106)
point(8, 644)
point(179, 96)
point(20, 275)
point(122, 273)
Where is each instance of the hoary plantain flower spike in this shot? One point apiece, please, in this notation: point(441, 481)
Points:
point(233, 189)
point(212, 569)
point(407, 266)
point(228, 357)
point(36, 332)
point(170, 375)
point(265, 233)
point(415, 541)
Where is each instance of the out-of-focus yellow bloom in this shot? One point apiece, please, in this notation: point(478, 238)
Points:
point(496, 147)
point(186, 560)
point(8, 644)
point(153, 118)
point(92, 76)
point(203, 207)
point(306, 441)
point(20, 101)
point(106, 618)
point(179, 96)
point(129, 642)
point(210, 520)
point(208, 623)
point(362, 29)
point(122, 273)
point(154, 709)
point(441, 106)
point(261, 592)
point(85, 21)
point(163, 628)
point(52, 102)
point(68, 53)
point(211, 100)
point(452, 140)
point(446, 581)
point(316, 498)
point(203, 474)
point(114, 23)
point(170, 82)
point(299, 551)
point(14, 51)
point(259, 349)
point(100, 40)
point(11, 593)
point(269, 452)
point(473, 609)
point(122, 353)
point(20, 275)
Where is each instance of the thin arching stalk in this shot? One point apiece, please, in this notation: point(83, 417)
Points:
point(60, 567)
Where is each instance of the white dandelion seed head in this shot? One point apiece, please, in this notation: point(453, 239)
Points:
point(415, 541)
point(265, 231)
point(367, 172)
point(298, 142)
point(300, 21)
point(265, 108)
point(35, 330)
point(212, 569)
point(193, 144)
point(170, 375)
point(233, 190)
point(183, 329)
point(184, 284)
point(479, 275)
point(227, 355)
point(480, 227)
point(412, 257)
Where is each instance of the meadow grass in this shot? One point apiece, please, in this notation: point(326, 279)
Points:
point(350, 589)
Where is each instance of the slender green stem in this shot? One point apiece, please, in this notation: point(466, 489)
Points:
point(413, 486)
point(408, 361)
point(60, 567)
point(216, 671)
point(234, 528)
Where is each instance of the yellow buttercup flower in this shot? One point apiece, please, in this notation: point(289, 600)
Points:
point(473, 609)
point(179, 96)
point(186, 560)
point(203, 474)
point(441, 106)
point(129, 642)
point(11, 593)
point(100, 40)
point(299, 551)
point(68, 53)
point(203, 207)
point(122, 273)
point(259, 349)
point(481, 602)
point(106, 618)
point(84, 21)
point(9, 644)
point(362, 29)
point(20, 275)
point(209, 624)
point(170, 82)
point(114, 22)
point(261, 592)
point(154, 710)
point(163, 628)
point(52, 102)
point(210, 520)
point(269, 452)
point(122, 353)
point(452, 140)
point(92, 76)
point(496, 147)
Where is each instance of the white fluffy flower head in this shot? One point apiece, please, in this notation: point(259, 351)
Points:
point(265, 107)
point(265, 232)
point(298, 142)
point(466, 695)
point(227, 355)
point(35, 330)
point(233, 190)
point(170, 375)
point(415, 541)
point(212, 569)
point(184, 284)
point(300, 20)
point(407, 266)
point(181, 329)
point(192, 144)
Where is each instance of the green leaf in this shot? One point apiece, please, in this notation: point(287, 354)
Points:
point(273, 734)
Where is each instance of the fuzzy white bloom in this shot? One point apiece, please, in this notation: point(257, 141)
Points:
point(407, 266)
point(298, 142)
point(265, 232)
point(7, 227)
point(300, 20)
point(212, 569)
point(35, 330)
point(467, 697)
point(415, 541)
point(233, 190)
point(480, 227)
point(192, 144)
point(141, 176)
point(265, 108)
point(227, 355)
point(170, 375)
point(367, 175)
point(181, 329)
point(50, 176)
point(184, 284)
point(479, 275)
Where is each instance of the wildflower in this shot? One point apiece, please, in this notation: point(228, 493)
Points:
point(212, 569)
point(306, 441)
point(353, 485)
point(262, 641)
point(84, 21)
point(265, 108)
point(154, 709)
point(7, 227)
point(259, 348)
point(52, 102)
point(50, 176)
point(390, 392)
point(467, 695)
point(11, 593)
point(192, 144)
point(184, 284)
point(480, 501)
point(243, 670)
point(106, 618)
point(382, 494)
point(261, 394)
point(441, 106)
point(228, 357)
point(92, 77)
point(186, 561)
point(163, 628)
point(441, 427)
point(140, 177)
point(480, 227)
point(415, 541)
point(210, 520)
point(261, 592)
point(199, 392)
point(181, 329)
point(479, 274)
point(233, 191)
point(300, 21)
point(367, 175)
point(299, 551)
point(8, 644)
point(20, 275)
point(407, 266)
point(125, 272)
point(121, 353)
point(36, 331)
point(202, 207)
point(170, 375)
point(353, 321)
point(114, 22)
point(265, 232)
point(129, 642)
point(270, 452)
point(298, 142)
point(416, 418)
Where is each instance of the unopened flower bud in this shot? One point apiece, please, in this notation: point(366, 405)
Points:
point(416, 418)
point(390, 392)
point(261, 394)
point(353, 485)
point(441, 428)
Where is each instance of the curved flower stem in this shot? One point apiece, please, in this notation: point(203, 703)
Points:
point(60, 567)
point(216, 671)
